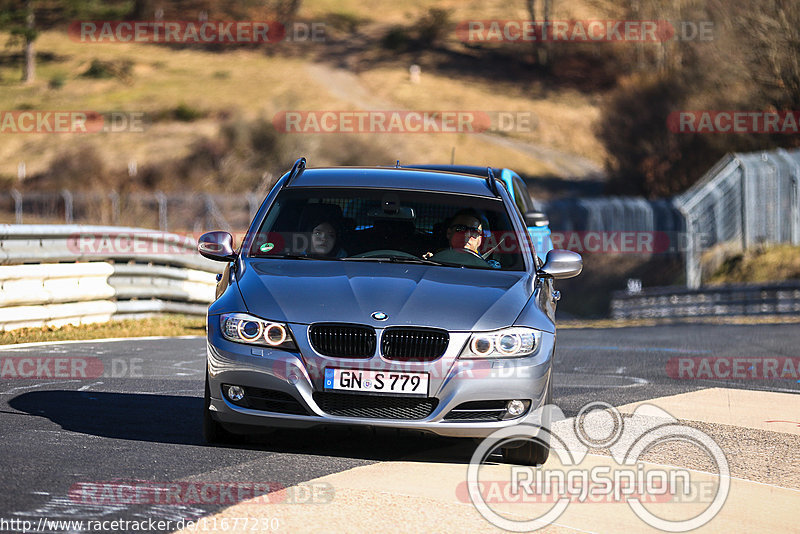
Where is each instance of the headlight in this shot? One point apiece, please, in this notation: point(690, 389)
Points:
point(513, 342)
point(243, 328)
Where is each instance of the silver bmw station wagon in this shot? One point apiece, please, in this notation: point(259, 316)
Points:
point(386, 297)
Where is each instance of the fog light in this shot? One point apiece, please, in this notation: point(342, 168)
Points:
point(515, 408)
point(235, 393)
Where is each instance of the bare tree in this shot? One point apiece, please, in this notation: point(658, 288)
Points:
point(541, 49)
point(29, 74)
point(772, 57)
point(18, 19)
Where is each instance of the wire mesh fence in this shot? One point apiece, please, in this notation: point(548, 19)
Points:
point(745, 200)
point(181, 212)
point(613, 214)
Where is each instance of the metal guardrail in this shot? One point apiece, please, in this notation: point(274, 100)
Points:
point(51, 275)
point(733, 299)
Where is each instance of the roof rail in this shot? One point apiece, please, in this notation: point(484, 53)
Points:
point(297, 169)
point(490, 181)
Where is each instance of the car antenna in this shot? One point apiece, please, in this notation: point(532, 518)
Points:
point(490, 181)
point(297, 169)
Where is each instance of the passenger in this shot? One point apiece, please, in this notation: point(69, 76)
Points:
point(326, 239)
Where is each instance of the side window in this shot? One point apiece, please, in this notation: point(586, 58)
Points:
point(519, 200)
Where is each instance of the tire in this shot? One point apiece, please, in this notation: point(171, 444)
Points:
point(213, 433)
point(532, 452)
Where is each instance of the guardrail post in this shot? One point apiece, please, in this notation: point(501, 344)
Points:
point(207, 213)
point(743, 190)
point(252, 200)
point(17, 196)
point(161, 198)
point(694, 273)
point(67, 196)
point(794, 178)
point(114, 196)
point(796, 210)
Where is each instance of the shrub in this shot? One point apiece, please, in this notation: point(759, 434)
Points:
point(99, 69)
point(433, 26)
point(396, 39)
point(57, 81)
point(344, 22)
point(186, 113)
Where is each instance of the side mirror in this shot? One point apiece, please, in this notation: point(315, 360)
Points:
point(536, 218)
point(561, 264)
point(217, 246)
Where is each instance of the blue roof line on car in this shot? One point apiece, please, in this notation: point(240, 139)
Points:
point(393, 178)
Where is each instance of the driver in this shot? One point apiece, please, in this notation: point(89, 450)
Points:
point(465, 232)
point(465, 236)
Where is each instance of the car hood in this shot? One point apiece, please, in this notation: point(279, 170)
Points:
point(302, 291)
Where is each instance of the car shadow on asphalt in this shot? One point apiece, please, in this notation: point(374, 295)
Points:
point(178, 420)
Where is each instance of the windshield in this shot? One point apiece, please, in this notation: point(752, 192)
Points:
point(389, 225)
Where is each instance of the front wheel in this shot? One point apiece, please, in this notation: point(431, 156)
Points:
point(533, 452)
point(530, 453)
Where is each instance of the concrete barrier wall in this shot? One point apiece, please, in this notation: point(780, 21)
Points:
point(52, 275)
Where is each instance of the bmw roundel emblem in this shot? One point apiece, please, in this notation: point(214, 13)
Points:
point(379, 316)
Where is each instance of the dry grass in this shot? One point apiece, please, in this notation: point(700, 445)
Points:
point(390, 12)
point(252, 84)
point(770, 264)
point(564, 121)
point(162, 325)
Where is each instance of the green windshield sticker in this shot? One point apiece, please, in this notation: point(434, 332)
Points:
point(266, 247)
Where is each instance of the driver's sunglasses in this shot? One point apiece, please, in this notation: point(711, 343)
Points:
point(474, 230)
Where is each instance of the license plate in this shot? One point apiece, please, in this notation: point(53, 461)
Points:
point(377, 381)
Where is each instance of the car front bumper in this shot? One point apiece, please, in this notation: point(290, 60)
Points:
point(452, 382)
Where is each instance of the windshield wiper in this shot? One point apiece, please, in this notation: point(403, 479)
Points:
point(292, 257)
point(396, 259)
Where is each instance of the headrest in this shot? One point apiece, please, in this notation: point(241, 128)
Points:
point(316, 214)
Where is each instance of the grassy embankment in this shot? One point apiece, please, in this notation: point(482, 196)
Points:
point(764, 264)
point(162, 325)
point(252, 84)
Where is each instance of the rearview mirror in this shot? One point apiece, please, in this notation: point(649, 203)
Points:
point(561, 264)
point(536, 218)
point(217, 246)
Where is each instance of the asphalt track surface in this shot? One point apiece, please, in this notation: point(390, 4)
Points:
point(144, 422)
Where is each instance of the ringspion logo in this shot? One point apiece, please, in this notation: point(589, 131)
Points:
point(570, 476)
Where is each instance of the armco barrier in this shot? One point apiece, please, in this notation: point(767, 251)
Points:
point(67, 274)
point(734, 299)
